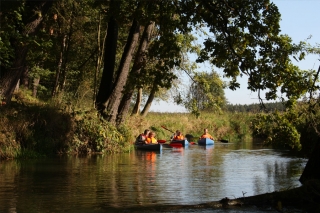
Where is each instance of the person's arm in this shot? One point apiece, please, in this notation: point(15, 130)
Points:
point(173, 136)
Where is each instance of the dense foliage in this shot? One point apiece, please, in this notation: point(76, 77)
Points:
point(255, 108)
point(32, 129)
point(106, 53)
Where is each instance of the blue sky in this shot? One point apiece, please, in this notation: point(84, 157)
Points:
point(299, 20)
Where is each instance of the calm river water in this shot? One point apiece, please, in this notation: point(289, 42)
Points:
point(184, 176)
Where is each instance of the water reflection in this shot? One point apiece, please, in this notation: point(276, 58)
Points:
point(188, 175)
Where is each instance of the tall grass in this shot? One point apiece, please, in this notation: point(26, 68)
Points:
point(230, 126)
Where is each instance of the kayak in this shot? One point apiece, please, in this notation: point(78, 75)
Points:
point(205, 141)
point(182, 142)
point(149, 147)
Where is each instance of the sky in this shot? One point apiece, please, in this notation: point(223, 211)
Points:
point(299, 20)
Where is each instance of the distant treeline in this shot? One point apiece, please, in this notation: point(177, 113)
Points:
point(267, 107)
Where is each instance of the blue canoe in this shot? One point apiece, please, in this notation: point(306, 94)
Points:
point(149, 147)
point(205, 141)
point(183, 143)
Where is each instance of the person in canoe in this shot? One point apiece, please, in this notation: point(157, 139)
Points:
point(206, 134)
point(151, 138)
point(178, 136)
point(141, 139)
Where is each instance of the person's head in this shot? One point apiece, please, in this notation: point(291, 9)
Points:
point(205, 131)
point(146, 132)
point(178, 132)
point(151, 134)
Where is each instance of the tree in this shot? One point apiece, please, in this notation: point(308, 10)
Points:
point(28, 21)
point(206, 91)
point(134, 76)
point(245, 40)
point(163, 48)
point(111, 41)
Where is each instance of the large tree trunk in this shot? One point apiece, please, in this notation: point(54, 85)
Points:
point(147, 106)
point(312, 169)
point(139, 62)
point(106, 84)
point(136, 108)
point(9, 81)
point(123, 71)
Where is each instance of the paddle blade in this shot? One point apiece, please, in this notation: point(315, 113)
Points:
point(192, 143)
point(161, 141)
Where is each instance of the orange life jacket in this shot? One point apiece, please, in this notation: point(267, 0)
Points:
point(151, 140)
point(178, 137)
point(206, 136)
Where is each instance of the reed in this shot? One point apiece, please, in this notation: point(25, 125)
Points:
point(230, 126)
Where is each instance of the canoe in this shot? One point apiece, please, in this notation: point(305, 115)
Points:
point(182, 142)
point(149, 147)
point(205, 141)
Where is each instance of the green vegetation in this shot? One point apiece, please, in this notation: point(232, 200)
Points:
point(256, 108)
point(296, 127)
point(31, 129)
point(114, 54)
point(38, 130)
point(231, 126)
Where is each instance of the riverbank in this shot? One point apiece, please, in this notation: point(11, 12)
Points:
point(31, 128)
point(35, 129)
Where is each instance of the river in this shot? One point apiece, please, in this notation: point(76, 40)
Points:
point(176, 176)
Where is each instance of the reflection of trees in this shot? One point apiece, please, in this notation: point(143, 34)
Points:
point(258, 171)
point(9, 174)
point(193, 175)
point(279, 175)
point(206, 172)
point(147, 175)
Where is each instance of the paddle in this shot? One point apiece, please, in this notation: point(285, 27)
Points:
point(167, 129)
point(161, 141)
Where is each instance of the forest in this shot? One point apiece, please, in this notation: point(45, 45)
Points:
point(87, 71)
point(120, 56)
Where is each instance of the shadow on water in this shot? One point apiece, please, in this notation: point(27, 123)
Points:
point(173, 180)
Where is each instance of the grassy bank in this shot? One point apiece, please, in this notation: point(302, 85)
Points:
point(37, 130)
point(33, 129)
point(30, 128)
point(229, 126)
